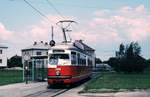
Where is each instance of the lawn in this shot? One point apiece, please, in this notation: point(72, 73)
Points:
point(10, 76)
point(114, 82)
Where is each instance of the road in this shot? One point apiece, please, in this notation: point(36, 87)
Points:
point(38, 89)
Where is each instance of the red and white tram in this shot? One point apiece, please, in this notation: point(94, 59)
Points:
point(69, 63)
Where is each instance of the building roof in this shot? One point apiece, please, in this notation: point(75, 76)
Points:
point(38, 46)
point(2, 46)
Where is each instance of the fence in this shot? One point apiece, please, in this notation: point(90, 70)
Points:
point(10, 76)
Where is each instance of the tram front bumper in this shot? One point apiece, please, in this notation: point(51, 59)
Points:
point(59, 77)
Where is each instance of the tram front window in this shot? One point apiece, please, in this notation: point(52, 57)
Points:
point(55, 58)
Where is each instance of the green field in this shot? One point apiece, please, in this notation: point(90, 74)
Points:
point(10, 76)
point(114, 82)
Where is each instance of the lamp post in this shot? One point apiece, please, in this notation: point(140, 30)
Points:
point(26, 73)
point(26, 64)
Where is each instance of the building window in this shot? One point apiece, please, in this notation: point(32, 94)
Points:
point(26, 53)
point(1, 51)
point(38, 53)
point(0, 61)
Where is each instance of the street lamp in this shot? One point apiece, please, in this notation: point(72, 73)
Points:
point(26, 73)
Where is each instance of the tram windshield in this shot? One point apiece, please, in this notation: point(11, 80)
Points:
point(54, 58)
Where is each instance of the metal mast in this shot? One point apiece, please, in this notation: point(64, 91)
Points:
point(52, 32)
point(52, 42)
point(65, 28)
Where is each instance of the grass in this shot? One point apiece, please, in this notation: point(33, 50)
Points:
point(10, 76)
point(114, 82)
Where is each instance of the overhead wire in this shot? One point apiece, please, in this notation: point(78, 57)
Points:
point(38, 11)
point(58, 12)
point(50, 4)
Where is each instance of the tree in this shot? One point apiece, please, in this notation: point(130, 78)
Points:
point(136, 49)
point(128, 59)
point(114, 63)
point(121, 50)
point(129, 52)
point(15, 61)
point(132, 61)
point(98, 61)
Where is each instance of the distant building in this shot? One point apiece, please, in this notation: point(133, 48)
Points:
point(36, 57)
point(3, 56)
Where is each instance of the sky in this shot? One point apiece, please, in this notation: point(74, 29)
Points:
point(102, 24)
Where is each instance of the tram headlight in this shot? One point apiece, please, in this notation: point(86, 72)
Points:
point(57, 73)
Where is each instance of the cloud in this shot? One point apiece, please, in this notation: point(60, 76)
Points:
point(106, 29)
point(102, 12)
point(127, 23)
point(4, 34)
point(34, 32)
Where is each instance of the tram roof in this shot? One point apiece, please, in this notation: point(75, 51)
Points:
point(64, 46)
point(71, 45)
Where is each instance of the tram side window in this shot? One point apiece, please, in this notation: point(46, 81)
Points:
point(73, 58)
point(79, 62)
point(84, 61)
point(89, 62)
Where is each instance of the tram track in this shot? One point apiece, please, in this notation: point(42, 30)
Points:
point(60, 93)
point(47, 93)
point(40, 89)
point(54, 92)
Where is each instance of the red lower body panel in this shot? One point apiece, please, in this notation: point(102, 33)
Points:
point(68, 74)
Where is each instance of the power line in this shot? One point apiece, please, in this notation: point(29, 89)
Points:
point(51, 4)
point(38, 11)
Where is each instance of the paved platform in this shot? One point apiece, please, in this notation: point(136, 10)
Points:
point(25, 90)
point(21, 89)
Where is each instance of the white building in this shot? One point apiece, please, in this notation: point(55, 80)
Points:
point(38, 52)
point(3, 56)
point(36, 57)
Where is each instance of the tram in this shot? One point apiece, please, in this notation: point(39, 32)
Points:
point(70, 62)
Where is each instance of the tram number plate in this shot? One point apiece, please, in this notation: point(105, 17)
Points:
point(58, 68)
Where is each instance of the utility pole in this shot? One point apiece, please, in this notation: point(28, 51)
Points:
point(52, 42)
point(52, 32)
